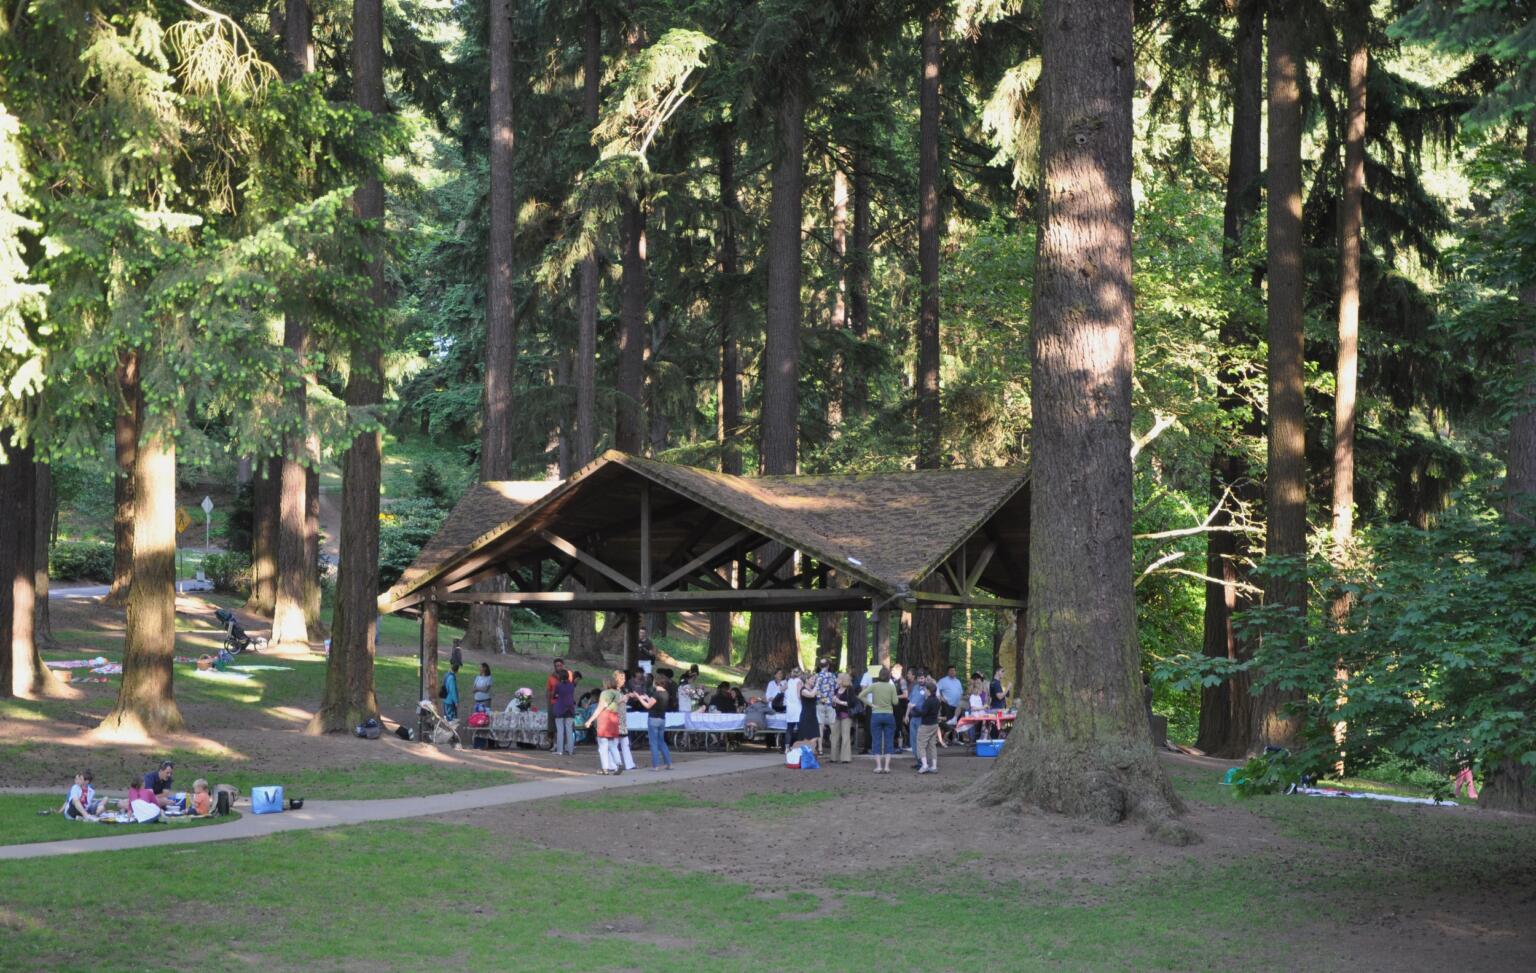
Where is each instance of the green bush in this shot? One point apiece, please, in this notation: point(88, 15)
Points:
point(81, 561)
point(403, 528)
point(230, 571)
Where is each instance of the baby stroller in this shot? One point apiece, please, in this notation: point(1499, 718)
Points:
point(437, 729)
point(235, 639)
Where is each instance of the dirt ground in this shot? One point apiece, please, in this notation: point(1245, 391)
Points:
point(870, 822)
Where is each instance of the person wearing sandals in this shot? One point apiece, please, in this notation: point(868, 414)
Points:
point(881, 698)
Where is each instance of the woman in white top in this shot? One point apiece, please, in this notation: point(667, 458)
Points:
point(483, 686)
point(792, 702)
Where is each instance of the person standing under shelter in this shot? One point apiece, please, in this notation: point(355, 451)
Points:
point(826, 685)
point(656, 724)
point(450, 693)
point(927, 724)
point(881, 698)
point(483, 687)
point(608, 716)
point(951, 694)
point(842, 721)
point(792, 708)
point(556, 677)
point(562, 709)
point(645, 652)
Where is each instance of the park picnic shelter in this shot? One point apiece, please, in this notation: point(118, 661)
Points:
point(640, 535)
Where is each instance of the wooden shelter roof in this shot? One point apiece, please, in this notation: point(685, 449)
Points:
point(888, 532)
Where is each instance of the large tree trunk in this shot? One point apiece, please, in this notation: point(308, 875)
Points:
point(1511, 785)
point(489, 627)
point(926, 383)
point(289, 617)
point(1226, 721)
point(837, 389)
point(858, 641)
point(728, 430)
point(1082, 745)
point(629, 430)
point(772, 637)
point(349, 686)
point(857, 399)
point(1286, 489)
point(146, 700)
point(125, 435)
point(265, 508)
point(585, 366)
point(46, 507)
point(312, 593)
point(28, 676)
point(289, 628)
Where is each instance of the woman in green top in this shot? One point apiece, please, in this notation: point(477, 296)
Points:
point(881, 697)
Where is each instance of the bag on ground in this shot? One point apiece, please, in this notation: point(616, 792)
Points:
point(792, 758)
point(808, 759)
point(266, 800)
point(145, 812)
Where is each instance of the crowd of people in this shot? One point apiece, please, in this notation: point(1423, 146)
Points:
point(881, 712)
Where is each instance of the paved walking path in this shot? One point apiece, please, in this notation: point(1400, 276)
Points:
point(330, 814)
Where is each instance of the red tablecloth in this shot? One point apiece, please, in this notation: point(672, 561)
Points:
point(997, 719)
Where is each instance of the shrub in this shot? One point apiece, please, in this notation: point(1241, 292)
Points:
point(81, 561)
point(229, 571)
point(403, 529)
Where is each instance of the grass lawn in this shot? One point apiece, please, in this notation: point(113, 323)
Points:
point(411, 895)
point(20, 823)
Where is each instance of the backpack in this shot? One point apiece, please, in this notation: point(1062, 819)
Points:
point(221, 803)
point(368, 730)
point(479, 718)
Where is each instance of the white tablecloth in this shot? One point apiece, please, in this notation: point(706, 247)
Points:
point(702, 722)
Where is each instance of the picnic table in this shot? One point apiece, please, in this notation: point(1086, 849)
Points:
point(993, 719)
point(513, 727)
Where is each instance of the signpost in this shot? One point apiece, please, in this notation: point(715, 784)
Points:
point(207, 522)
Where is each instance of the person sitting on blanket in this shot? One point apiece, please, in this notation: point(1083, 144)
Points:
point(202, 801)
point(158, 783)
point(82, 803)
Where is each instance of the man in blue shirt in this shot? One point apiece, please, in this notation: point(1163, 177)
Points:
point(160, 781)
point(915, 697)
point(951, 692)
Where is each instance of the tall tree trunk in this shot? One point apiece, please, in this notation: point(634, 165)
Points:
point(46, 507)
point(19, 553)
point(1082, 745)
point(1349, 302)
point(836, 382)
point(146, 700)
point(585, 440)
point(312, 593)
point(289, 621)
point(1511, 785)
point(265, 508)
point(1286, 489)
point(125, 435)
point(829, 629)
point(772, 637)
point(489, 627)
point(858, 280)
point(728, 429)
point(858, 641)
point(629, 430)
point(349, 685)
point(1226, 722)
point(926, 384)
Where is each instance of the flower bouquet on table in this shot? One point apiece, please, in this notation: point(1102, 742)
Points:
point(523, 699)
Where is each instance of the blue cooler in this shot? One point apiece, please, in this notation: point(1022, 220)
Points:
point(266, 800)
point(989, 748)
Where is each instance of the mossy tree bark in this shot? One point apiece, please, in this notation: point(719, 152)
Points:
point(349, 684)
point(46, 507)
point(125, 437)
point(1226, 722)
point(264, 529)
point(1082, 746)
point(146, 700)
point(1511, 785)
point(1286, 477)
point(489, 628)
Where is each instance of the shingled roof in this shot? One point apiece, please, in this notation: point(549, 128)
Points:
point(888, 530)
point(484, 507)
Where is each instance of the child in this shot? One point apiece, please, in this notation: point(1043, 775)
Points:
point(137, 792)
point(81, 804)
point(202, 801)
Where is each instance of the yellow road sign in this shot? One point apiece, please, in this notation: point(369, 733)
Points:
point(183, 520)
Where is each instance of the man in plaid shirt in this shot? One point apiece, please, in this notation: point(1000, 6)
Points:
point(825, 684)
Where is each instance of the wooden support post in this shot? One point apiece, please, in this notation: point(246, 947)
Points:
point(645, 537)
point(631, 641)
point(429, 650)
point(882, 637)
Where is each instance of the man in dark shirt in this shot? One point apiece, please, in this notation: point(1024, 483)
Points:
point(645, 652)
point(160, 782)
point(724, 701)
